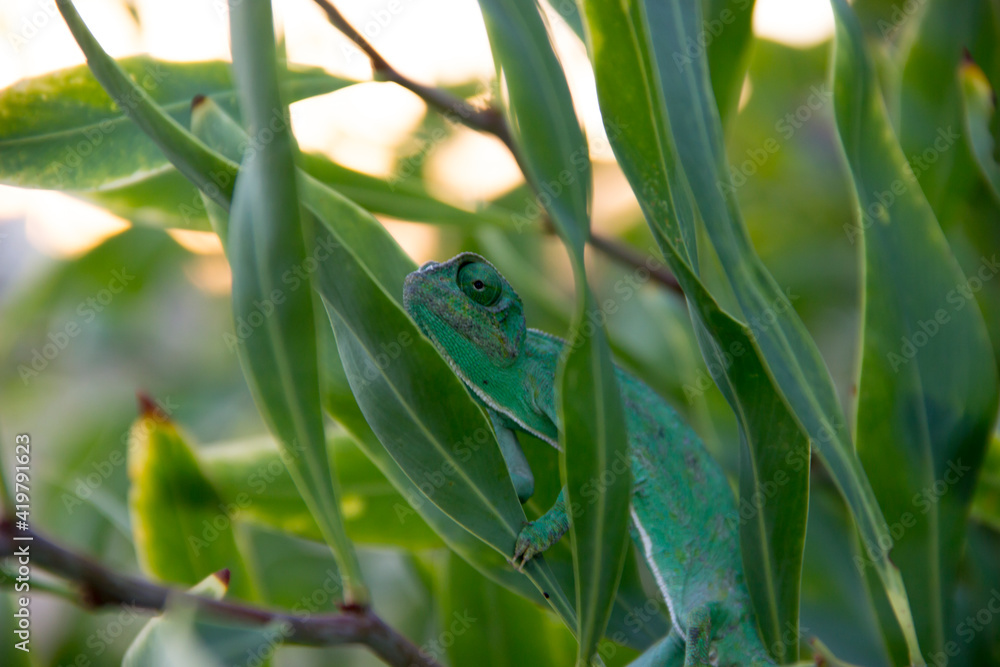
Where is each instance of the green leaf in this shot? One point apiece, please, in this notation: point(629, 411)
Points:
point(250, 476)
point(774, 480)
point(836, 607)
point(168, 638)
point(631, 87)
point(452, 458)
point(163, 199)
point(986, 502)
point(981, 572)
point(347, 238)
point(271, 283)
point(202, 167)
point(476, 613)
point(944, 147)
point(553, 153)
point(180, 636)
point(632, 622)
point(593, 437)
point(541, 115)
point(78, 140)
point(931, 107)
point(63, 132)
point(569, 12)
point(403, 199)
point(928, 387)
point(980, 110)
point(985, 48)
point(341, 404)
point(181, 527)
point(728, 31)
point(639, 617)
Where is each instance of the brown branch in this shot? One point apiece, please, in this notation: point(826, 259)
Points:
point(488, 120)
point(629, 256)
point(100, 586)
point(485, 120)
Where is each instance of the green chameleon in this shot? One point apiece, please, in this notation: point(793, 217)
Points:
point(683, 514)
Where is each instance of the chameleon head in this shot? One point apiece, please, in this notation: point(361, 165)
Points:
point(467, 309)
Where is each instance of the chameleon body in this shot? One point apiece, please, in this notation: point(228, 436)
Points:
point(683, 514)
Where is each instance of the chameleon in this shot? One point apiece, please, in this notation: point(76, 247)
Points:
point(683, 514)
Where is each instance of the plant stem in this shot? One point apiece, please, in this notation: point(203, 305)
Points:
point(100, 586)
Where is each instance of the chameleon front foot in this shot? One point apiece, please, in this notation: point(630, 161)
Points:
point(537, 536)
point(533, 539)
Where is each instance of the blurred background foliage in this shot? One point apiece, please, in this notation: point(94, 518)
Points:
point(164, 335)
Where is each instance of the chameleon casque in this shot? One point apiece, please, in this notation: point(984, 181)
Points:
point(683, 513)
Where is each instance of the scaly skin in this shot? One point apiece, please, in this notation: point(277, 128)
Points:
point(683, 515)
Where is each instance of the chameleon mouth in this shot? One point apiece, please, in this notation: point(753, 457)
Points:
point(413, 286)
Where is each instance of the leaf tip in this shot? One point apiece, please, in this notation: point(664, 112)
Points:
point(223, 575)
point(148, 407)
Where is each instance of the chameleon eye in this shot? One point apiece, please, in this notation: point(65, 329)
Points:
point(480, 282)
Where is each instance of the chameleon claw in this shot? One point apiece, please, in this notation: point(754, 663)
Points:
point(531, 541)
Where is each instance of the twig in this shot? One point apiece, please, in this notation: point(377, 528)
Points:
point(484, 120)
point(100, 586)
point(488, 120)
point(627, 255)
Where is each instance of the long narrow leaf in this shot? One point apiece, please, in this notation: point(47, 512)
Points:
point(202, 167)
point(351, 246)
point(553, 153)
point(272, 298)
point(250, 477)
point(928, 386)
point(181, 530)
point(632, 102)
point(62, 131)
point(727, 30)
